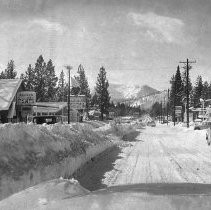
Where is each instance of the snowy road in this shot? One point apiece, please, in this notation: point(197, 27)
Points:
point(163, 154)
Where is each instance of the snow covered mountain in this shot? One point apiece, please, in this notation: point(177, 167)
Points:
point(135, 95)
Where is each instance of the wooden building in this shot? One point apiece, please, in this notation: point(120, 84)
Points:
point(9, 110)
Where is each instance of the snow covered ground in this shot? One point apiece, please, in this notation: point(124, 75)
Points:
point(30, 154)
point(163, 154)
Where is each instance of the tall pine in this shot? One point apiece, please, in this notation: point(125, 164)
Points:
point(178, 88)
point(198, 91)
point(40, 79)
point(28, 78)
point(84, 86)
point(61, 87)
point(101, 89)
point(50, 82)
point(205, 92)
point(10, 72)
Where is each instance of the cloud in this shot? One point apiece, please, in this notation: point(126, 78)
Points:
point(48, 25)
point(159, 28)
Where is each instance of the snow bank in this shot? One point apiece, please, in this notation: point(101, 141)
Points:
point(42, 194)
point(32, 153)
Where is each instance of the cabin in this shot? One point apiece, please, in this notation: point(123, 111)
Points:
point(10, 111)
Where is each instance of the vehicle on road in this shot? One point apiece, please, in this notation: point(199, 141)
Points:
point(151, 124)
point(201, 125)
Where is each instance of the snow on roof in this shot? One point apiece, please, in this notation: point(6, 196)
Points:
point(8, 89)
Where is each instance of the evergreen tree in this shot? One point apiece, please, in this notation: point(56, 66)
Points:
point(172, 93)
point(178, 88)
point(209, 91)
point(50, 82)
point(28, 78)
point(2, 75)
point(184, 81)
point(156, 109)
point(10, 70)
point(61, 87)
point(205, 92)
point(103, 97)
point(197, 92)
point(176, 91)
point(94, 102)
point(40, 79)
point(84, 86)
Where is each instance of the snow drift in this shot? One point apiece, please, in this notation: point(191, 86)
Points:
point(30, 154)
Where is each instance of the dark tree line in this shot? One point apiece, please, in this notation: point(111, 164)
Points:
point(201, 89)
point(42, 79)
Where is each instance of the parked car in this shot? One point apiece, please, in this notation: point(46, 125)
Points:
point(200, 125)
point(151, 124)
point(48, 119)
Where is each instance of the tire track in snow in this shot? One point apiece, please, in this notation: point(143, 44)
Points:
point(181, 166)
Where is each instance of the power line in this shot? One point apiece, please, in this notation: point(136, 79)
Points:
point(187, 62)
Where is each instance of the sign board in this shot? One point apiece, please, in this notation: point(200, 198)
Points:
point(178, 107)
point(26, 110)
point(26, 98)
point(178, 111)
point(78, 102)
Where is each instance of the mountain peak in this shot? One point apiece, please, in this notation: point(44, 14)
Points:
point(133, 94)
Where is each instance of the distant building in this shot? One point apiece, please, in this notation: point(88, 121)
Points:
point(9, 110)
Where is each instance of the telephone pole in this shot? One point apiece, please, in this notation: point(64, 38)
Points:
point(68, 102)
point(187, 86)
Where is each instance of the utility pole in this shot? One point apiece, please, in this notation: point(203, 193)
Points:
point(68, 103)
point(164, 106)
point(187, 87)
point(174, 103)
point(161, 112)
point(167, 107)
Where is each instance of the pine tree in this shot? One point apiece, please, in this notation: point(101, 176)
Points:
point(50, 82)
point(61, 87)
point(184, 81)
point(28, 78)
point(84, 86)
point(172, 93)
point(10, 70)
point(205, 92)
point(94, 102)
point(2, 75)
point(209, 91)
point(40, 79)
point(176, 91)
point(103, 97)
point(178, 88)
point(197, 92)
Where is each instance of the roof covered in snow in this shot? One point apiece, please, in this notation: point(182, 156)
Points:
point(8, 90)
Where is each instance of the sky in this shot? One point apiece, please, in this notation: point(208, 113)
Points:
point(137, 41)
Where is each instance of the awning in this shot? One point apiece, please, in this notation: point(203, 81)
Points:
point(12, 111)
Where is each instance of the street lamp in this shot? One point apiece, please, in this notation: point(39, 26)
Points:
point(68, 67)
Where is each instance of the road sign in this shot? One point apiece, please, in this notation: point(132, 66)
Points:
point(178, 111)
point(26, 98)
point(178, 107)
point(78, 102)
